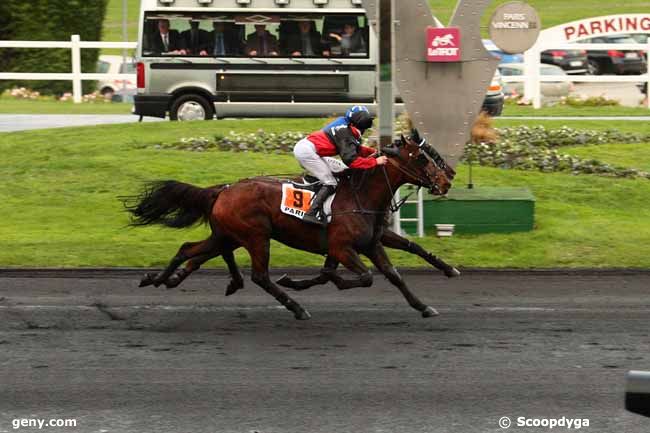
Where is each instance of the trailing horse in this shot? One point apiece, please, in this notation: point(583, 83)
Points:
point(247, 214)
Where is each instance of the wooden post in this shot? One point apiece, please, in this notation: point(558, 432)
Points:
point(76, 70)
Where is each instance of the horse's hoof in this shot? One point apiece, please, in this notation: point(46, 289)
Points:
point(147, 280)
point(172, 282)
point(284, 281)
point(452, 273)
point(429, 312)
point(303, 315)
point(233, 287)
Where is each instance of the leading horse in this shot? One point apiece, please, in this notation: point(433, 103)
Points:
point(247, 214)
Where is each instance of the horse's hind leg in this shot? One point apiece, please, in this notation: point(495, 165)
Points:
point(382, 262)
point(237, 281)
point(349, 258)
point(391, 239)
point(192, 265)
point(325, 275)
point(186, 252)
point(259, 252)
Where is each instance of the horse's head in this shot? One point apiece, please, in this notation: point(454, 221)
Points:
point(421, 163)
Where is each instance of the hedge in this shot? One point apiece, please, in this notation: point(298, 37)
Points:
point(49, 20)
point(521, 148)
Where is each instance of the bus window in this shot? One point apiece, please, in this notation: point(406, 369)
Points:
point(255, 35)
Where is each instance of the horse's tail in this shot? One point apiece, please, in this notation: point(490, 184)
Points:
point(172, 204)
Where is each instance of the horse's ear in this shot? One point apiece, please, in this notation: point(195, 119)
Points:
point(415, 135)
point(402, 139)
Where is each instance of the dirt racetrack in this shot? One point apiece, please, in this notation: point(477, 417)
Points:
point(116, 358)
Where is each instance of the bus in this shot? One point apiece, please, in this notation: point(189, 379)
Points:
point(201, 59)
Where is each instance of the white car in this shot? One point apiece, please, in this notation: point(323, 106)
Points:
point(115, 65)
point(550, 90)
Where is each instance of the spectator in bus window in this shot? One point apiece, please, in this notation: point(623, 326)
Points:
point(167, 41)
point(351, 40)
point(307, 42)
point(196, 40)
point(224, 40)
point(261, 43)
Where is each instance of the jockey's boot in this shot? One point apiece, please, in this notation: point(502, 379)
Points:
point(315, 214)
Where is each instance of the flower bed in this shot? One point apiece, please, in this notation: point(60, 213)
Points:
point(522, 148)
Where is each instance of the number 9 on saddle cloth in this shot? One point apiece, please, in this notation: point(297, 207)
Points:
point(297, 197)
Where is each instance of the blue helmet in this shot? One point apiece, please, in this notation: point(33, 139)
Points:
point(355, 109)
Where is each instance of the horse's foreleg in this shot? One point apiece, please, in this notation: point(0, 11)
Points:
point(259, 252)
point(391, 239)
point(382, 262)
point(324, 277)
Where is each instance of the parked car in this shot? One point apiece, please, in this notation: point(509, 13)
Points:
point(641, 38)
point(550, 90)
point(615, 61)
point(493, 103)
point(123, 89)
point(502, 55)
point(572, 61)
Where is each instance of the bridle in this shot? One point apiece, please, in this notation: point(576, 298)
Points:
point(421, 181)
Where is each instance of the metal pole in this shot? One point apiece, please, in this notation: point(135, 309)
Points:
point(420, 210)
point(386, 66)
point(125, 38)
point(647, 77)
point(386, 103)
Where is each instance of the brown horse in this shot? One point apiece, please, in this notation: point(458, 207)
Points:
point(247, 214)
point(389, 238)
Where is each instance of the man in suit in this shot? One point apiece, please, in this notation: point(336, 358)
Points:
point(196, 40)
point(350, 41)
point(261, 43)
point(307, 42)
point(167, 41)
point(224, 40)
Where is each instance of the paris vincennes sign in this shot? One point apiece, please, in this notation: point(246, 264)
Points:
point(443, 44)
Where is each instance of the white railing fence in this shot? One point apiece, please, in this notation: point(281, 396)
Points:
point(76, 76)
point(532, 77)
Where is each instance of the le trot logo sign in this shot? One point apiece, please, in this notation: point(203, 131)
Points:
point(443, 44)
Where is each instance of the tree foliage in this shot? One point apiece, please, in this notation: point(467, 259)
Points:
point(49, 20)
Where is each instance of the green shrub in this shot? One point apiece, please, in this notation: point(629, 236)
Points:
point(522, 148)
point(592, 101)
point(49, 20)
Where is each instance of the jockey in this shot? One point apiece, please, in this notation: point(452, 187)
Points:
point(341, 137)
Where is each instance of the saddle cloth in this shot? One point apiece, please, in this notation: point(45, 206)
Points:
point(297, 197)
point(296, 200)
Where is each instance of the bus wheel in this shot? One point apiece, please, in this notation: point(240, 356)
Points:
point(191, 107)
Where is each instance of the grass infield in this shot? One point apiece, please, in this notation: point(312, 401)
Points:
point(59, 189)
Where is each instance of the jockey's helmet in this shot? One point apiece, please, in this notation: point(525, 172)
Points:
point(354, 109)
point(361, 120)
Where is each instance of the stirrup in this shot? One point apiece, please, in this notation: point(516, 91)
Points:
point(313, 219)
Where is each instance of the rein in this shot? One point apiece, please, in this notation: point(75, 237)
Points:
point(394, 206)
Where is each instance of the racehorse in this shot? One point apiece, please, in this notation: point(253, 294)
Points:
point(247, 214)
point(389, 238)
